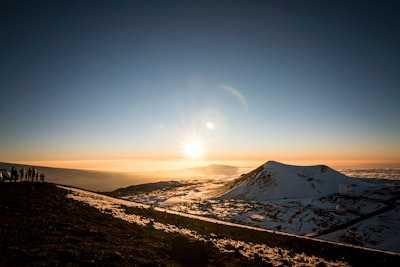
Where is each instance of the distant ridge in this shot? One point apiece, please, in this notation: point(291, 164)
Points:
point(88, 179)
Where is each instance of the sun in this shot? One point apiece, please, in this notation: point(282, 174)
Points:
point(210, 125)
point(193, 150)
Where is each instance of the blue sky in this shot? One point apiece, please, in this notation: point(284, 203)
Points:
point(109, 80)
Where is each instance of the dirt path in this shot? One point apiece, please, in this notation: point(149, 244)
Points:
point(211, 229)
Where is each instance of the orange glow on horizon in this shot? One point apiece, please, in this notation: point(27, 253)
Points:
point(163, 164)
point(166, 160)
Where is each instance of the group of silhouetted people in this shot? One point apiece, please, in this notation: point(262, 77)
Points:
point(32, 175)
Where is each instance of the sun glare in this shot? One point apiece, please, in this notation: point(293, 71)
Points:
point(193, 150)
point(210, 125)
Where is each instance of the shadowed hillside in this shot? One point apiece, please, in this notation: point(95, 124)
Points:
point(40, 226)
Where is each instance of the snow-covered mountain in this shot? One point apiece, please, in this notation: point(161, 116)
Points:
point(275, 180)
point(315, 201)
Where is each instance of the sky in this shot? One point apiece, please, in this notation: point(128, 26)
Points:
point(294, 81)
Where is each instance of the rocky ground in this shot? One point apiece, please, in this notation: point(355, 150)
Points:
point(49, 225)
point(41, 227)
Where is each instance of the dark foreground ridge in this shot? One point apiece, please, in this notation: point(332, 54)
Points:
point(41, 227)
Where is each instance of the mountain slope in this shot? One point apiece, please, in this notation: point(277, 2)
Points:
point(42, 226)
point(88, 179)
point(276, 180)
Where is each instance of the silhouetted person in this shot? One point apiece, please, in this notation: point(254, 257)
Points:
point(29, 173)
point(33, 174)
point(6, 175)
point(42, 177)
point(37, 176)
point(14, 174)
point(21, 173)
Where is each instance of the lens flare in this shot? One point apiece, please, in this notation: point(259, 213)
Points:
point(210, 125)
